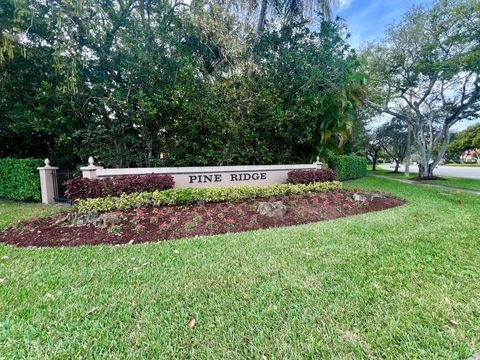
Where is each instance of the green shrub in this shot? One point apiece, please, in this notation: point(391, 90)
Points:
point(195, 195)
point(348, 167)
point(19, 179)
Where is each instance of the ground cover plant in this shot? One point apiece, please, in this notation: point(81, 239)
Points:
point(177, 221)
point(455, 182)
point(396, 284)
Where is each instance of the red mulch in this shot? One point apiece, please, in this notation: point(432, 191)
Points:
point(173, 222)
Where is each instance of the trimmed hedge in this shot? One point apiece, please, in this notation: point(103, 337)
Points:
point(196, 195)
point(83, 188)
point(311, 176)
point(19, 179)
point(348, 167)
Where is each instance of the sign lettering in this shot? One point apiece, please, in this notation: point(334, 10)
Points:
point(213, 178)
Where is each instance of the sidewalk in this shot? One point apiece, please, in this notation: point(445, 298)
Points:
point(413, 182)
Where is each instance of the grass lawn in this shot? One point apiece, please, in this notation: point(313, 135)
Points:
point(398, 284)
point(461, 183)
point(12, 211)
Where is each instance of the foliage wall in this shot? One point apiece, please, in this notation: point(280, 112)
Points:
point(19, 179)
point(348, 167)
point(133, 82)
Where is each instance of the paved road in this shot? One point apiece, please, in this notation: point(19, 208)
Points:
point(457, 171)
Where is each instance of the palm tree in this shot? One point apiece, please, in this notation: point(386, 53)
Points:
point(292, 8)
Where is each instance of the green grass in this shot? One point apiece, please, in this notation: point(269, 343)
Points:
point(397, 284)
point(456, 182)
point(12, 211)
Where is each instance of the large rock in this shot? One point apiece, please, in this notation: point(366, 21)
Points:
point(108, 219)
point(372, 195)
point(272, 209)
point(83, 219)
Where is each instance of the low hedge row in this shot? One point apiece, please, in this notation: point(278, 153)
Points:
point(19, 179)
point(197, 195)
point(311, 176)
point(348, 167)
point(83, 188)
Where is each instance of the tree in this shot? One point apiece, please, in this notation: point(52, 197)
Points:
point(139, 78)
point(290, 9)
point(393, 139)
point(462, 141)
point(374, 149)
point(426, 72)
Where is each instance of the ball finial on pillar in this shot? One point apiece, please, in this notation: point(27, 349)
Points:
point(91, 161)
point(47, 162)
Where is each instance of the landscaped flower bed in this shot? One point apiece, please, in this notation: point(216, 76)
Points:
point(176, 221)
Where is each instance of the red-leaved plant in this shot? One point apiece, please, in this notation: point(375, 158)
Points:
point(83, 188)
point(311, 176)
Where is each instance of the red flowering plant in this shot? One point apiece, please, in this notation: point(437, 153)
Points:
point(164, 226)
point(346, 205)
point(138, 216)
point(229, 221)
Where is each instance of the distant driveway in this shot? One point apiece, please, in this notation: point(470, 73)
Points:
point(456, 171)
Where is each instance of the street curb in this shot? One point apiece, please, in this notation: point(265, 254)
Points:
point(475, 356)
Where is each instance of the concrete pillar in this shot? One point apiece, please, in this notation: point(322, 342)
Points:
point(47, 183)
point(90, 171)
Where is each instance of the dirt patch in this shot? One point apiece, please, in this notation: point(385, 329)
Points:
point(174, 222)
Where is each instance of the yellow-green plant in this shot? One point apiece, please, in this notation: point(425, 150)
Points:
point(196, 195)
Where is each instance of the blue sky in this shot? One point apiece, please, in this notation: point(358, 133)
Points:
point(367, 19)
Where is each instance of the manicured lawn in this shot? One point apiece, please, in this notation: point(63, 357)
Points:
point(12, 211)
point(456, 182)
point(398, 284)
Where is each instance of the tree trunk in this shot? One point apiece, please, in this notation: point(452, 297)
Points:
point(397, 165)
point(261, 17)
point(374, 154)
point(409, 152)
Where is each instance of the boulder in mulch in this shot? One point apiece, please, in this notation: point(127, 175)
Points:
point(83, 219)
point(369, 196)
point(275, 209)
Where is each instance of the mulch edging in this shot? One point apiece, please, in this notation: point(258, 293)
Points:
point(174, 222)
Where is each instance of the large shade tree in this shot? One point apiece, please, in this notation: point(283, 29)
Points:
point(425, 72)
point(127, 81)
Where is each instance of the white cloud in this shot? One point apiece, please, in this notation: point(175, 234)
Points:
point(344, 4)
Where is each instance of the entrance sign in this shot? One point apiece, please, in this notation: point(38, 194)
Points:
point(208, 176)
